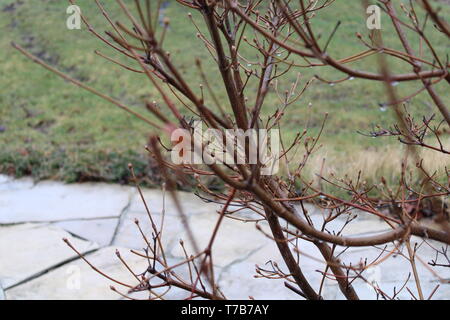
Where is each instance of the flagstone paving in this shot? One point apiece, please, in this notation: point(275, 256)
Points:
point(100, 231)
point(99, 218)
point(28, 250)
point(48, 201)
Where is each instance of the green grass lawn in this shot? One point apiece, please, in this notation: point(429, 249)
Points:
point(52, 129)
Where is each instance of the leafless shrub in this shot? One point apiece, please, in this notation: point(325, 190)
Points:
point(282, 29)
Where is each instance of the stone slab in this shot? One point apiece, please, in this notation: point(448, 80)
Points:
point(129, 236)
point(77, 281)
point(5, 179)
point(30, 249)
point(309, 257)
point(235, 239)
point(8, 183)
point(396, 268)
point(157, 200)
point(239, 282)
point(54, 201)
point(100, 231)
point(391, 273)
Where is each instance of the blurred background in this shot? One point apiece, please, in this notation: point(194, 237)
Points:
point(50, 129)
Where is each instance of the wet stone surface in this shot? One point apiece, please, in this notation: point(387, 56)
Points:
point(100, 218)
